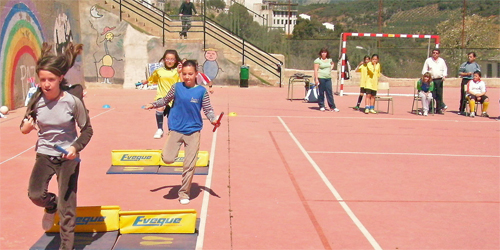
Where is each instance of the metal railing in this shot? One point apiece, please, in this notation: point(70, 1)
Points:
point(210, 28)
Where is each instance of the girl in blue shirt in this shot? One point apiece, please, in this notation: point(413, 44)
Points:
point(185, 123)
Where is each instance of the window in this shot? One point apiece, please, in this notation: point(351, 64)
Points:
point(489, 70)
point(498, 69)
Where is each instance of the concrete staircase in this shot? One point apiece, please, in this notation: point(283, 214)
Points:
point(152, 22)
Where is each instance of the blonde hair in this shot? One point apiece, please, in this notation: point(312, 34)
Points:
point(427, 74)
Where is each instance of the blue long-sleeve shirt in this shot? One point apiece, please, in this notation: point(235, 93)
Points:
point(185, 116)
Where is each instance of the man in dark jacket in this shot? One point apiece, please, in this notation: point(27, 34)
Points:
point(185, 12)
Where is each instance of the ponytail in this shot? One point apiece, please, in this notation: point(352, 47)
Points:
point(57, 65)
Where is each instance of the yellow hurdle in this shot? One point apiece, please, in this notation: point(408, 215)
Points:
point(152, 157)
point(159, 221)
point(93, 219)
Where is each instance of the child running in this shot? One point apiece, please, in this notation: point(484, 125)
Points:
point(56, 113)
point(185, 123)
point(164, 77)
point(362, 68)
point(373, 70)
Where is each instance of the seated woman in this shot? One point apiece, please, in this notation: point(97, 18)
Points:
point(425, 86)
point(476, 90)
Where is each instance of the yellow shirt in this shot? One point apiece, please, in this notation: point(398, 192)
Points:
point(372, 73)
point(165, 79)
point(364, 75)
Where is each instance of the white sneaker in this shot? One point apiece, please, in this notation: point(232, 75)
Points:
point(322, 109)
point(184, 201)
point(426, 113)
point(158, 134)
point(48, 220)
point(336, 110)
point(472, 114)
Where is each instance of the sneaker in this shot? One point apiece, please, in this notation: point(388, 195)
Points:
point(356, 108)
point(484, 114)
point(472, 114)
point(444, 108)
point(426, 113)
point(158, 134)
point(180, 35)
point(48, 220)
point(373, 111)
point(322, 109)
point(367, 111)
point(335, 110)
point(184, 201)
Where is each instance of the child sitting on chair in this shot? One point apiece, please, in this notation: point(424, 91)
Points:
point(476, 90)
point(425, 86)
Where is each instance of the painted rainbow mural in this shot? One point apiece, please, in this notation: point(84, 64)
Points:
point(20, 34)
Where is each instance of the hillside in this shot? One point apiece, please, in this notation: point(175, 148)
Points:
point(397, 16)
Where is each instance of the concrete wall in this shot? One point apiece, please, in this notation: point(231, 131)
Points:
point(24, 26)
point(108, 41)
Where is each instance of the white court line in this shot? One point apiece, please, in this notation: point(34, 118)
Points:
point(204, 204)
point(391, 94)
point(341, 201)
point(417, 154)
point(428, 119)
point(11, 158)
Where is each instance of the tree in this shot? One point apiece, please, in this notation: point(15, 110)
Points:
point(216, 5)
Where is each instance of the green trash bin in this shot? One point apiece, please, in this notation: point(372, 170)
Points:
point(244, 76)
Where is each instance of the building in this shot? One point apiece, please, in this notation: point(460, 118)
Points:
point(275, 14)
point(490, 68)
point(304, 16)
point(329, 26)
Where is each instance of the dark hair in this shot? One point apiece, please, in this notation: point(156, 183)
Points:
point(190, 63)
point(477, 72)
point(55, 64)
point(472, 53)
point(438, 51)
point(366, 57)
point(173, 52)
point(375, 55)
point(324, 50)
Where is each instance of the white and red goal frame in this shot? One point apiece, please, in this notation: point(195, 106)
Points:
point(343, 49)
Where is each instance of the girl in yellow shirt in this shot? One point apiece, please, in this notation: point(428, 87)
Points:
point(165, 77)
point(373, 70)
point(362, 68)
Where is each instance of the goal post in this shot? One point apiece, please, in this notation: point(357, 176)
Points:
point(343, 49)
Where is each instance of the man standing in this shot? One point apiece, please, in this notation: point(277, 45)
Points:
point(437, 67)
point(187, 8)
point(466, 71)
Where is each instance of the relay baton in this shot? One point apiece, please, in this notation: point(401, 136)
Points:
point(62, 150)
point(217, 124)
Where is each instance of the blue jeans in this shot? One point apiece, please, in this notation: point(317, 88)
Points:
point(325, 85)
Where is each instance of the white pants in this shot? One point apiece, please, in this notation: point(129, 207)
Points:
point(426, 99)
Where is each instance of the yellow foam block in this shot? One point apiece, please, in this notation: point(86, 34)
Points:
point(202, 160)
point(93, 219)
point(149, 157)
point(159, 221)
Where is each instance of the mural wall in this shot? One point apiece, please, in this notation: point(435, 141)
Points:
point(24, 26)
